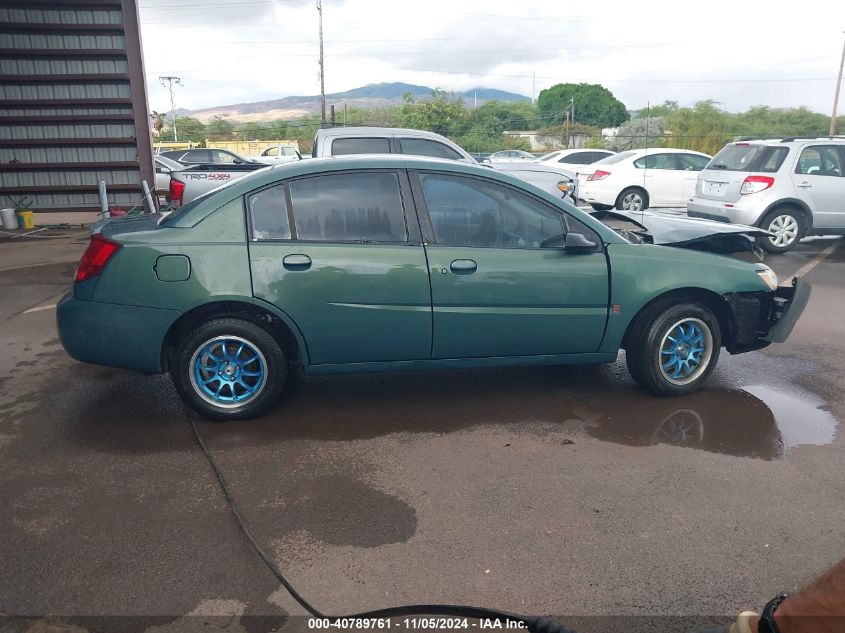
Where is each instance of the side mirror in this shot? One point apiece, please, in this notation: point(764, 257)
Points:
point(576, 242)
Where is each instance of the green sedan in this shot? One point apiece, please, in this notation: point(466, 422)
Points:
point(383, 263)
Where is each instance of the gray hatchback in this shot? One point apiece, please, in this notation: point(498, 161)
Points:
point(793, 187)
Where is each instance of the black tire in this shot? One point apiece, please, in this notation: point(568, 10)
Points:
point(779, 221)
point(636, 192)
point(191, 364)
point(601, 207)
point(647, 344)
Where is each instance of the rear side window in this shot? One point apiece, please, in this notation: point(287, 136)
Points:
point(197, 156)
point(820, 160)
point(425, 147)
point(343, 146)
point(268, 214)
point(692, 162)
point(352, 207)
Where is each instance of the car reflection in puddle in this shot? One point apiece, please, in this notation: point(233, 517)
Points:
point(754, 421)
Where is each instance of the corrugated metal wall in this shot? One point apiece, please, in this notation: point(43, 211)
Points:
point(73, 104)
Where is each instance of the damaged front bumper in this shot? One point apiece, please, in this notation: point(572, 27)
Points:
point(761, 318)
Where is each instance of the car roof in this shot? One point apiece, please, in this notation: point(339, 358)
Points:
point(667, 150)
point(369, 131)
point(789, 139)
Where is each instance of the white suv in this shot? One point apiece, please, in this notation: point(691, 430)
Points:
point(792, 187)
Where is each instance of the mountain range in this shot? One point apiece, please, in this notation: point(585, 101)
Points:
point(368, 97)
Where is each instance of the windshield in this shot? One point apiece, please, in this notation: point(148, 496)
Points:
point(615, 158)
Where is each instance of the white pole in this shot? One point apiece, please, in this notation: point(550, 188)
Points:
point(148, 197)
point(104, 201)
point(836, 96)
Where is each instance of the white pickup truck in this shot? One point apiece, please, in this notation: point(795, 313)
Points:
point(384, 140)
point(278, 154)
point(192, 182)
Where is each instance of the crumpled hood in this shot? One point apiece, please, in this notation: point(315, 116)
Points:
point(669, 229)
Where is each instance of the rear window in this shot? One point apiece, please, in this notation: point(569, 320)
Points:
point(747, 157)
point(615, 158)
point(343, 146)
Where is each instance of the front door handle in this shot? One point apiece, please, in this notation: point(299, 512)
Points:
point(463, 266)
point(804, 185)
point(297, 262)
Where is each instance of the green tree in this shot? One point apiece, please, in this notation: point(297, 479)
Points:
point(663, 110)
point(187, 129)
point(438, 114)
point(220, 129)
point(702, 128)
point(637, 134)
point(504, 115)
point(594, 105)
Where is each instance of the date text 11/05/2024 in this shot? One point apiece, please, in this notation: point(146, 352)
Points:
point(413, 624)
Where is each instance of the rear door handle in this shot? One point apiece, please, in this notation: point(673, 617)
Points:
point(297, 262)
point(463, 266)
point(804, 185)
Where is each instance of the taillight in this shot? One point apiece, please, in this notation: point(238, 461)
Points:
point(756, 184)
point(177, 190)
point(598, 175)
point(100, 250)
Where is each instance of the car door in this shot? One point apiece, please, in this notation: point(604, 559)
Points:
point(662, 179)
point(820, 182)
point(691, 165)
point(337, 254)
point(496, 289)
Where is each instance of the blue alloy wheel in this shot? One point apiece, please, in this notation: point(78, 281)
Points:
point(228, 371)
point(685, 351)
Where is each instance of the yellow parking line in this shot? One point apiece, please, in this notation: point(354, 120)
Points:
point(818, 259)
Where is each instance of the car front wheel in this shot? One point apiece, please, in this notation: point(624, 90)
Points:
point(229, 369)
point(673, 349)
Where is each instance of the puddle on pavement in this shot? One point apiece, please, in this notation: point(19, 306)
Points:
point(754, 421)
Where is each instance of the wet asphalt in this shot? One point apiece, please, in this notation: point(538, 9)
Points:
point(563, 491)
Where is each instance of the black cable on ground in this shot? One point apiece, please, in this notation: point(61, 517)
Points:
point(531, 624)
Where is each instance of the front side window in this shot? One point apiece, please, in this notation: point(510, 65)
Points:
point(222, 157)
point(656, 161)
point(272, 151)
point(268, 214)
point(351, 207)
point(474, 212)
point(344, 146)
point(425, 147)
point(820, 160)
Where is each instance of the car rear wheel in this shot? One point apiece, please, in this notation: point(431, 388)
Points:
point(787, 224)
point(229, 369)
point(673, 348)
point(632, 199)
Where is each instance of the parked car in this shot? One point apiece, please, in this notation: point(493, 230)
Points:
point(509, 155)
point(278, 154)
point(211, 156)
point(574, 160)
point(388, 263)
point(194, 181)
point(792, 187)
point(381, 140)
point(164, 168)
point(643, 178)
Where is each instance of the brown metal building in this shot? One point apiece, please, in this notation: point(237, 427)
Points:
point(73, 107)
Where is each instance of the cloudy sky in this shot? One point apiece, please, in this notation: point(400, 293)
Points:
point(738, 53)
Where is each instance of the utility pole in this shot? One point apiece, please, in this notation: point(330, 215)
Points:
point(322, 68)
point(572, 108)
point(836, 95)
point(169, 81)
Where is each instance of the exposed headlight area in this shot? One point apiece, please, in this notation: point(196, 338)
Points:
point(769, 276)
